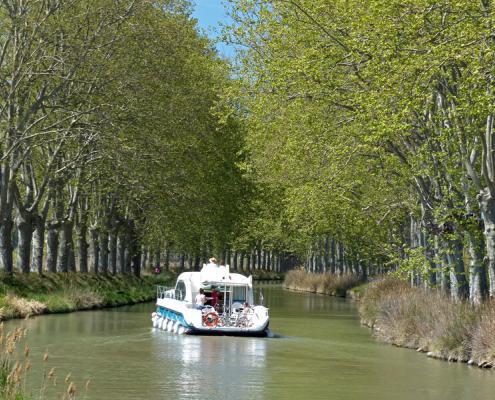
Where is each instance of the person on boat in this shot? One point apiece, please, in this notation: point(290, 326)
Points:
point(211, 271)
point(246, 308)
point(214, 297)
point(200, 299)
point(213, 262)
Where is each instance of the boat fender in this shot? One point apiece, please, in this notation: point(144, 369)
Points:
point(175, 327)
point(155, 321)
point(181, 330)
point(164, 323)
point(169, 325)
point(210, 320)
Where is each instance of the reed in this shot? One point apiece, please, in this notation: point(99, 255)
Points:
point(430, 321)
point(15, 365)
point(324, 283)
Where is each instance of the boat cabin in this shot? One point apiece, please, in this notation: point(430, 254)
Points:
point(223, 290)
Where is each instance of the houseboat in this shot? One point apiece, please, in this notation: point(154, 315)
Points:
point(212, 301)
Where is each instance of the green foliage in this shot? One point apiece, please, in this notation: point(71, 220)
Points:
point(413, 264)
point(360, 116)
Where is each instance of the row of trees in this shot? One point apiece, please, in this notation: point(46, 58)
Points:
point(112, 136)
point(371, 124)
point(356, 136)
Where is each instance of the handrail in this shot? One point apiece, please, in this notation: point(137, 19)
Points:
point(164, 292)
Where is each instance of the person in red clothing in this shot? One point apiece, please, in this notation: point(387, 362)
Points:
point(214, 297)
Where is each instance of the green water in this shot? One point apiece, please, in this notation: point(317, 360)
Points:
point(319, 352)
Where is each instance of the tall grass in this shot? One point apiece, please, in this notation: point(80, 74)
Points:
point(15, 365)
point(430, 321)
point(324, 283)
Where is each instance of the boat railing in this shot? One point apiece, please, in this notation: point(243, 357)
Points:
point(165, 292)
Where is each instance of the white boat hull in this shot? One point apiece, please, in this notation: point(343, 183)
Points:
point(182, 317)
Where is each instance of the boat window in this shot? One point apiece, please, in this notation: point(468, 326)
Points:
point(239, 294)
point(180, 290)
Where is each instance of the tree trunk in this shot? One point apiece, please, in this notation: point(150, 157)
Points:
point(227, 256)
point(112, 253)
point(149, 260)
point(363, 271)
point(51, 247)
point(121, 253)
point(6, 249)
point(241, 262)
point(136, 261)
point(326, 254)
point(144, 255)
point(333, 257)
point(487, 206)
point(182, 258)
point(477, 276)
point(128, 254)
point(38, 245)
point(458, 282)
point(94, 250)
point(103, 253)
point(234, 264)
point(429, 256)
point(25, 234)
point(64, 246)
point(167, 258)
point(82, 247)
point(157, 260)
point(340, 258)
point(6, 222)
point(72, 257)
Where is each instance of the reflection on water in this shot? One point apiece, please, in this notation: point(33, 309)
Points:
point(211, 367)
point(323, 353)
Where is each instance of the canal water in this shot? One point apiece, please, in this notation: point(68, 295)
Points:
point(319, 351)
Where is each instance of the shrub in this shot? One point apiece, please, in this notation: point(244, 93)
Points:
point(14, 306)
point(413, 317)
point(324, 283)
point(483, 336)
point(84, 298)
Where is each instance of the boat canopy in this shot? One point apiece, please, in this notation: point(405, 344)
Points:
point(209, 278)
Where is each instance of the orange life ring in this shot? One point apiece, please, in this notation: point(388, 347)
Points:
point(210, 319)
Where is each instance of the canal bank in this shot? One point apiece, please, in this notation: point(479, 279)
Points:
point(427, 321)
point(345, 285)
point(23, 296)
point(430, 322)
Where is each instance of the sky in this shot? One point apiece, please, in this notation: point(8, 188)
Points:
point(210, 14)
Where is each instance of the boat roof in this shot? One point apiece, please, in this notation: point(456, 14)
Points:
point(217, 278)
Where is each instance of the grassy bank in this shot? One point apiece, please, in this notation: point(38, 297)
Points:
point(329, 284)
point(27, 295)
point(430, 322)
point(260, 275)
